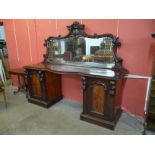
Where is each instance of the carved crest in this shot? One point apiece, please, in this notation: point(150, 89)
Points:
point(76, 29)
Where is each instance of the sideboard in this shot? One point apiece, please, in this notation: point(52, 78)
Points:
point(95, 59)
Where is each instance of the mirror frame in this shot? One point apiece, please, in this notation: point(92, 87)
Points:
point(77, 30)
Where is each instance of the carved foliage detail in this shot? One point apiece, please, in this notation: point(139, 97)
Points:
point(112, 88)
point(84, 83)
point(41, 76)
point(26, 74)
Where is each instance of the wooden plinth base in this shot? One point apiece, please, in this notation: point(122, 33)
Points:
point(43, 103)
point(100, 121)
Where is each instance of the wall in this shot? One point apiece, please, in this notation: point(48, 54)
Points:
point(25, 46)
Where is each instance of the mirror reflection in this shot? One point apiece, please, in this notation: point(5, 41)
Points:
point(81, 49)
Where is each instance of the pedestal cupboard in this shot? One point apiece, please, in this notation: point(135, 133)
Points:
point(44, 88)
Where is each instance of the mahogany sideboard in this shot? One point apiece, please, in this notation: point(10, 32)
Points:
point(95, 59)
point(101, 94)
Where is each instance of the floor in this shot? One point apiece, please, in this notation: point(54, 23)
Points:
point(23, 118)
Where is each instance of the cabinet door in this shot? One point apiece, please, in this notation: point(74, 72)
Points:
point(98, 99)
point(36, 82)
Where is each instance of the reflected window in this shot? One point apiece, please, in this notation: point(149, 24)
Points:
point(82, 49)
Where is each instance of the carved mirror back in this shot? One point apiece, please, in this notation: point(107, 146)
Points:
point(80, 48)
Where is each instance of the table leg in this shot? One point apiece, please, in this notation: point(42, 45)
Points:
point(20, 86)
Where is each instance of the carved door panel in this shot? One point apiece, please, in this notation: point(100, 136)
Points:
point(98, 99)
point(36, 82)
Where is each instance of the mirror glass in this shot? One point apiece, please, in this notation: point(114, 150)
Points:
point(81, 49)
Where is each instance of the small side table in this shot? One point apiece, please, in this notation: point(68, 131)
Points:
point(19, 72)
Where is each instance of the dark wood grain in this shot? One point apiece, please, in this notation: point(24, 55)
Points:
point(98, 99)
point(53, 85)
point(101, 101)
point(44, 88)
point(37, 91)
point(101, 94)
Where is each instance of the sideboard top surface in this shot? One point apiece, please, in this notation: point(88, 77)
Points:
point(85, 71)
